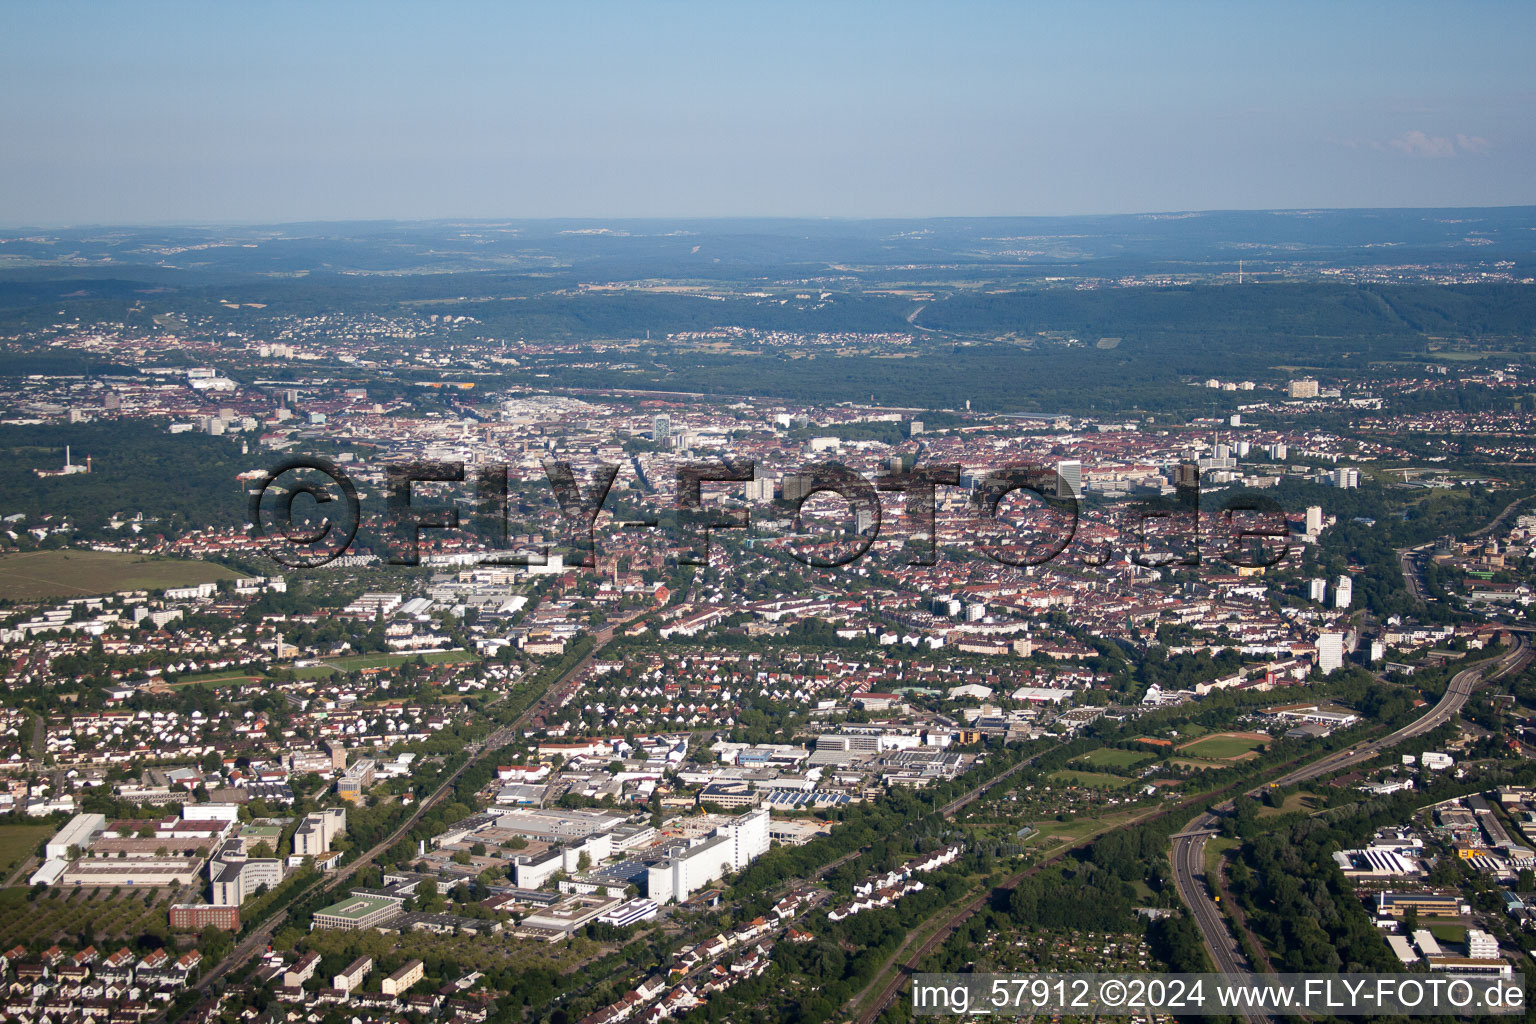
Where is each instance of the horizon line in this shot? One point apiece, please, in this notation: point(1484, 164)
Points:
point(674, 218)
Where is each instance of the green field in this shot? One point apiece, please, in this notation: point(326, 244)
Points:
point(1091, 780)
point(1456, 933)
point(1108, 757)
point(1293, 803)
point(1215, 848)
point(215, 680)
point(17, 843)
point(1222, 746)
point(354, 662)
point(40, 575)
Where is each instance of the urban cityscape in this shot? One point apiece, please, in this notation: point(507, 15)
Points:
point(546, 618)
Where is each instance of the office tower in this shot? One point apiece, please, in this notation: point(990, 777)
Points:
point(1330, 652)
point(1069, 478)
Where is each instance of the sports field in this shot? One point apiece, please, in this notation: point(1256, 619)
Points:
point(356, 662)
point(1225, 746)
point(40, 575)
point(1109, 757)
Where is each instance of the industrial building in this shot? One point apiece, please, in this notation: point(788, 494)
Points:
point(1396, 904)
point(75, 836)
point(688, 869)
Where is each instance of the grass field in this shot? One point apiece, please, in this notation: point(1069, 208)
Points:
point(1091, 780)
point(39, 575)
point(1456, 933)
point(215, 680)
point(1293, 803)
point(353, 662)
point(1224, 746)
point(17, 843)
point(1215, 848)
point(1108, 757)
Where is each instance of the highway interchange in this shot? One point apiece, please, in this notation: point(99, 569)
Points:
point(1189, 845)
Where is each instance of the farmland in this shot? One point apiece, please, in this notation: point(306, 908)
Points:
point(43, 575)
point(71, 914)
point(17, 843)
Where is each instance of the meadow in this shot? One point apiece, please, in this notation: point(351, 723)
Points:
point(44, 575)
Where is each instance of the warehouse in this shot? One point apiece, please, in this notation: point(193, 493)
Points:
point(138, 871)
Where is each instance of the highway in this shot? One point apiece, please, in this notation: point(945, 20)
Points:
point(1189, 845)
point(1409, 560)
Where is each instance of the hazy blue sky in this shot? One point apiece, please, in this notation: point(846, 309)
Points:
point(119, 113)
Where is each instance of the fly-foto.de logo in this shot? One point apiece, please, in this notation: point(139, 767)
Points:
point(309, 512)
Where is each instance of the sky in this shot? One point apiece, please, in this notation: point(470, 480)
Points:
point(255, 113)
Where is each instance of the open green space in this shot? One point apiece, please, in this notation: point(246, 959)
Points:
point(41, 575)
point(17, 843)
point(1222, 746)
point(1456, 933)
point(356, 662)
point(1291, 804)
point(1091, 780)
point(1216, 847)
point(1109, 757)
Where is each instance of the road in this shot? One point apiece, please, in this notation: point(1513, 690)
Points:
point(1189, 845)
point(1408, 559)
point(896, 972)
point(1413, 574)
point(259, 938)
point(1499, 519)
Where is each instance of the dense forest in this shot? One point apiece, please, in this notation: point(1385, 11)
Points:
point(174, 481)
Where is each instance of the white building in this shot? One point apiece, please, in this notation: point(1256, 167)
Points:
point(1069, 476)
point(732, 847)
point(1481, 945)
point(316, 831)
point(1330, 652)
point(81, 830)
point(1343, 592)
